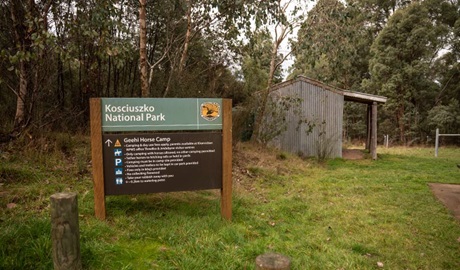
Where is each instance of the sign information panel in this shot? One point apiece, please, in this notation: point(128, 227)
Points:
point(148, 163)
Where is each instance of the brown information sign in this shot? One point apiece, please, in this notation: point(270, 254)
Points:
point(162, 162)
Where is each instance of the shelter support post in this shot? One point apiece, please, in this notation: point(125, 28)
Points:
point(436, 144)
point(368, 127)
point(374, 131)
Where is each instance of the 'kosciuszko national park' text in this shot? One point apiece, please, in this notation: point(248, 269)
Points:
point(136, 113)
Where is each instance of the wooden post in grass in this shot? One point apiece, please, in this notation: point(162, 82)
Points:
point(272, 261)
point(97, 159)
point(65, 232)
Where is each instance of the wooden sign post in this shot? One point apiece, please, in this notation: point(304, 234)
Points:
point(97, 158)
point(195, 155)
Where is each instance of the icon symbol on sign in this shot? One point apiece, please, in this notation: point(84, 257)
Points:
point(118, 171)
point(117, 143)
point(118, 162)
point(117, 152)
point(119, 180)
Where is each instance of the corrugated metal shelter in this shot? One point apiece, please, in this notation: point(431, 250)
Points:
point(314, 117)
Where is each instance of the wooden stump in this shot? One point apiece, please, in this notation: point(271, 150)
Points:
point(272, 261)
point(65, 232)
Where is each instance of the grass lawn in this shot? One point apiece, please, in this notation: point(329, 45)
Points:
point(341, 214)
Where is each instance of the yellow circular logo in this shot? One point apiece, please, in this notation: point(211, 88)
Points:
point(210, 110)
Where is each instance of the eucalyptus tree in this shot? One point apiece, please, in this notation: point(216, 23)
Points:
point(445, 113)
point(27, 28)
point(403, 56)
point(333, 47)
point(283, 19)
point(377, 12)
point(333, 44)
point(57, 53)
point(256, 57)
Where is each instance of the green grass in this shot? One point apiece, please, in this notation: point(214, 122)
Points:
point(341, 214)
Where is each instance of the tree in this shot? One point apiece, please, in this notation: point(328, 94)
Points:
point(376, 12)
point(285, 18)
point(403, 55)
point(30, 31)
point(447, 67)
point(58, 70)
point(333, 46)
point(445, 114)
point(256, 57)
point(445, 117)
point(92, 51)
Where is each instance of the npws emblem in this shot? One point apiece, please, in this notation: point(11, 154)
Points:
point(210, 110)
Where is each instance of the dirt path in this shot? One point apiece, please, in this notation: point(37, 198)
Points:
point(449, 195)
point(352, 154)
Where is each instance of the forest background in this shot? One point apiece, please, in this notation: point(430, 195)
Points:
point(56, 54)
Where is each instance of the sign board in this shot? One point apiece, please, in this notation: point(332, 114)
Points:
point(148, 145)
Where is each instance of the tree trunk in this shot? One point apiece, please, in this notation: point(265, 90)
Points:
point(116, 73)
point(17, 13)
point(21, 11)
point(143, 50)
point(109, 71)
point(187, 37)
point(401, 124)
point(19, 118)
point(134, 80)
point(263, 106)
point(168, 84)
point(60, 82)
point(70, 81)
point(151, 59)
point(154, 65)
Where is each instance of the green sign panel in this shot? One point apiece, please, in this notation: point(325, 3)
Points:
point(147, 114)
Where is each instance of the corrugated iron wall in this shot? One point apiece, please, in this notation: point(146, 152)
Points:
point(322, 110)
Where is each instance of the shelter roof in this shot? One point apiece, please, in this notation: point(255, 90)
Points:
point(348, 95)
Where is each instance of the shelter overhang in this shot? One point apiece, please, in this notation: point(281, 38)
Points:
point(363, 97)
point(347, 95)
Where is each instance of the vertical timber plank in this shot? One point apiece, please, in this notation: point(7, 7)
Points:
point(374, 131)
point(97, 159)
point(226, 191)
